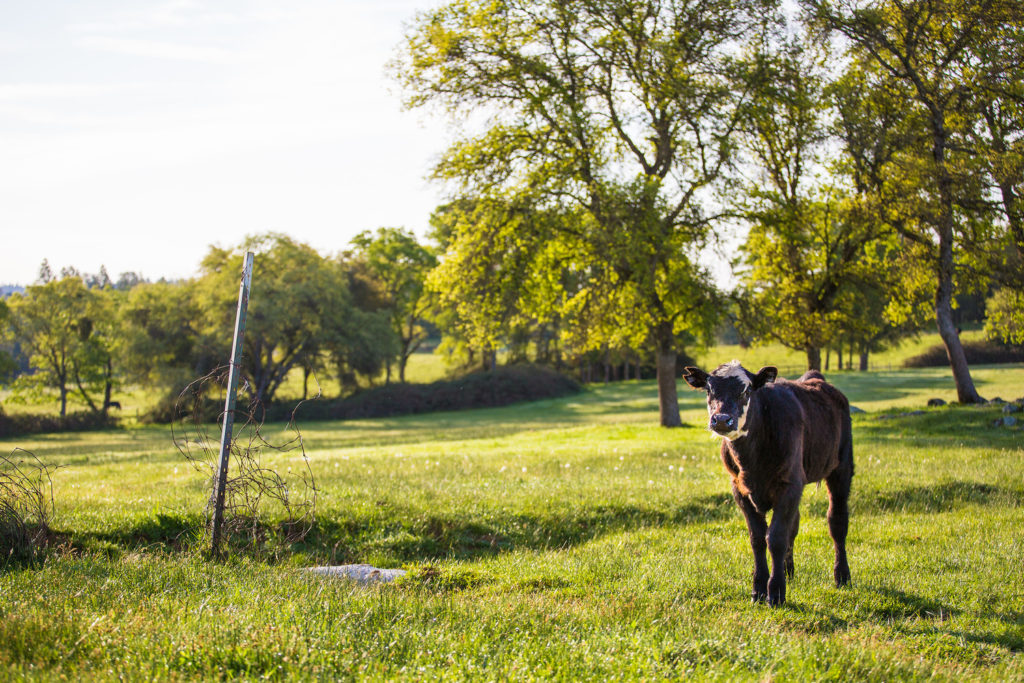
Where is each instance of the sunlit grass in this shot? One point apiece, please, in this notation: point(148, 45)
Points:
point(570, 539)
point(794, 362)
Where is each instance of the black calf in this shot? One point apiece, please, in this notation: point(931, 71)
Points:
point(778, 436)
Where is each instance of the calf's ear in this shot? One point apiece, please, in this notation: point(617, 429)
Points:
point(695, 377)
point(765, 375)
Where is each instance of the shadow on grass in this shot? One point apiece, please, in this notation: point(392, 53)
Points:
point(171, 532)
point(398, 535)
point(408, 536)
point(965, 426)
point(879, 604)
point(896, 604)
point(1012, 639)
point(947, 496)
point(890, 605)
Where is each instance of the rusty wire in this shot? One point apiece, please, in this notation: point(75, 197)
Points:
point(253, 488)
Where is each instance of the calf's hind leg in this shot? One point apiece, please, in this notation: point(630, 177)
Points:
point(838, 484)
point(790, 565)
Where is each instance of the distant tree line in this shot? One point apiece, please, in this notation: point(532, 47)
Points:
point(351, 316)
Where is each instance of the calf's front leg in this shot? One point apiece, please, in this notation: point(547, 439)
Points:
point(757, 526)
point(781, 535)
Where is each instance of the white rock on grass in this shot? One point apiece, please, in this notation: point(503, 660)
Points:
point(360, 573)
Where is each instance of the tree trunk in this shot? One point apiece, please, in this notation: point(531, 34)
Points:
point(965, 391)
point(863, 361)
point(607, 365)
point(839, 356)
point(63, 400)
point(813, 358)
point(108, 384)
point(85, 395)
point(668, 397)
point(402, 362)
point(828, 358)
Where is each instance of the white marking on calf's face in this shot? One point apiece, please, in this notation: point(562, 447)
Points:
point(741, 424)
point(740, 430)
point(733, 369)
point(732, 392)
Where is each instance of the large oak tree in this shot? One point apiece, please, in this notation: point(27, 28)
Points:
point(940, 53)
point(622, 109)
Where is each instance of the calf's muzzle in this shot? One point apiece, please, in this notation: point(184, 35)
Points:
point(723, 423)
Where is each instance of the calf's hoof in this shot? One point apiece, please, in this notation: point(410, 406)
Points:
point(777, 598)
point(759, 596)
point(776, 593)
point(842, 575)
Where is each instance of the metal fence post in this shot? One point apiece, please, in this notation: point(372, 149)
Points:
point(229, 405)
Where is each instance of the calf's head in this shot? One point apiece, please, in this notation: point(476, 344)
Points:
point(729, 388)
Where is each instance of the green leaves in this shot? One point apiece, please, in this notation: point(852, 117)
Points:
point(1005, 320)
point(61, 325)
point(596, 128)
point(300, 304)
point(399, 264)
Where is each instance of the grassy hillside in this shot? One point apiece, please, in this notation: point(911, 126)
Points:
point(569, 539)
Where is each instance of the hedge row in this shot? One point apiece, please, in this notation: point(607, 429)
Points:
point(978, 353)
point(499, 387)
point(18, 425)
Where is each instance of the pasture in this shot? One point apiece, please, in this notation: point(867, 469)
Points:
point(568, 539)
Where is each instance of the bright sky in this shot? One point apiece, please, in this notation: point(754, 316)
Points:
point(135, 133)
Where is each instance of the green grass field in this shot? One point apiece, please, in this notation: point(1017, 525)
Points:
point(569, 539)
point(790, 360)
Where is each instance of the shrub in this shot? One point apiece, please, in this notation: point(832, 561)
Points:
point(18, 425)
point(978, 353)
point(499, 387)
